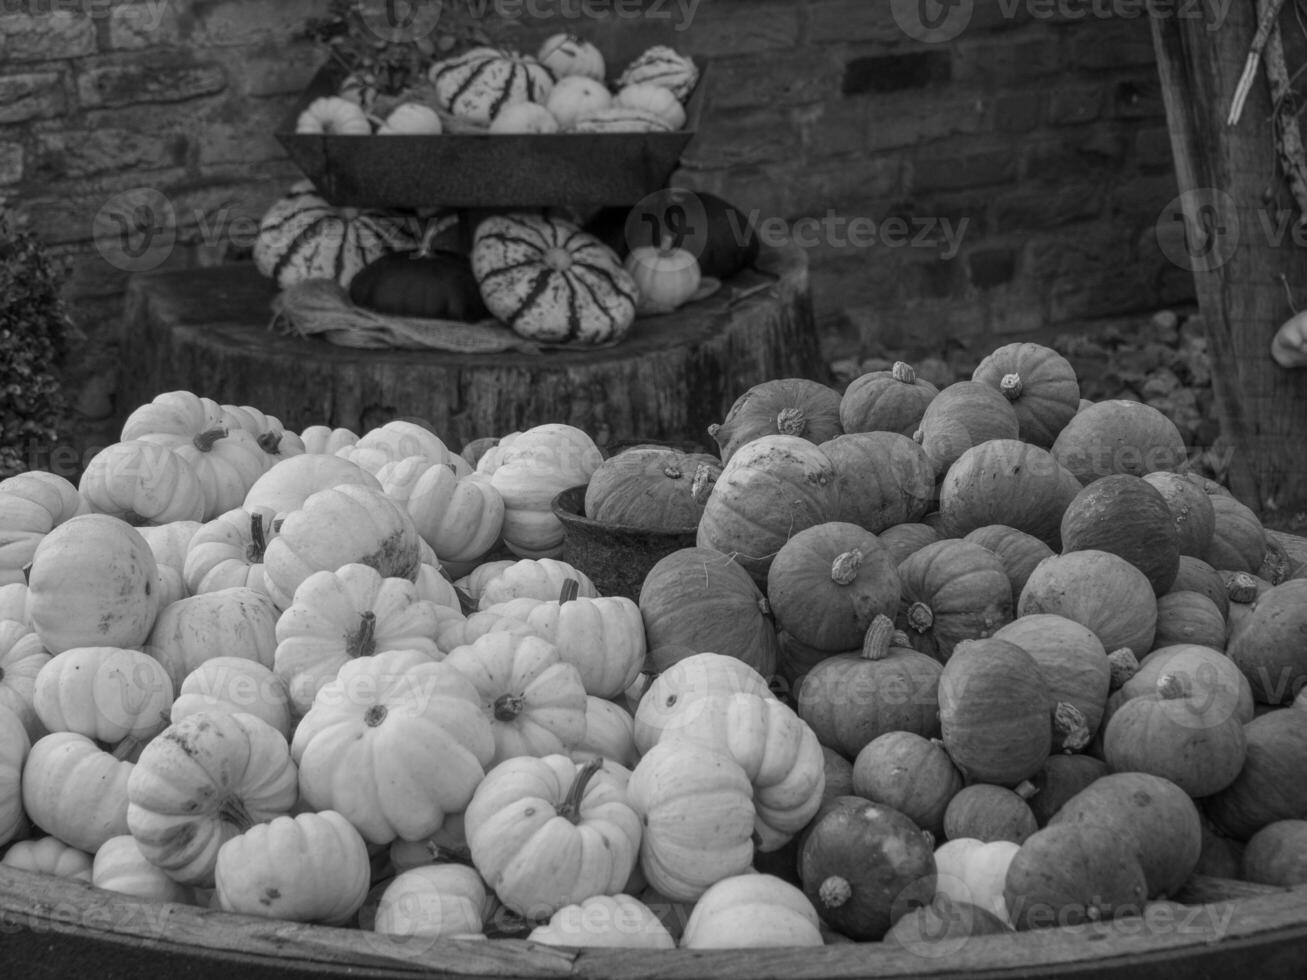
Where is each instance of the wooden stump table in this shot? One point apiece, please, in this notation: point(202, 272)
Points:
point(207, 331)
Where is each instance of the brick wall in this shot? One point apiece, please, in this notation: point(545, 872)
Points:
point(1038, 142)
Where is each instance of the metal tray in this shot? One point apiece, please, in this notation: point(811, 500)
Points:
point(479, 170)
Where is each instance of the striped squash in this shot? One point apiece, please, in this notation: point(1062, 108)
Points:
point(477, 84)
point(660, 65)
point(303, 237)
point(550, 281)
point(622, 119)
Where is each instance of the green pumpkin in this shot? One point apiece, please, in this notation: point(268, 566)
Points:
point(433, 284)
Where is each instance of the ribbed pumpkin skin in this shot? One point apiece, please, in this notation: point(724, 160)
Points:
point(880, 853)
point(1199, 668)
point(882, 479)
point(828, 582)
point(886, 401)
point(772, 488)
point(1270, 645)
point(964, 414)
point(1040, 383)
point(1159, 815)
point(661, 65)
point(995, 712)
point(1125, 515)
point(479, 83)
point(1099, 590)
point(549, 281)
point(1005, 481)
point(1189, 617)
point(701, 599)
point(1069, 875)
point(1191, 509)
point(1195, 575)
point(785, 407)
point(1071, 659)
point(987, 813)
point(1020, 552)
point(909, 773)
point(1270, 786)
point(1238, 540)
point(849, 700)
point(953, 590)
point(902, 540)
point(649, 487)
point(1119, 436)
point(303, 237)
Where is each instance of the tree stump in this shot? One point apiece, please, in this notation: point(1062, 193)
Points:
point(674, 375)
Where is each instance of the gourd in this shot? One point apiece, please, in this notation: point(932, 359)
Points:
point(434, 902)
point(1099, 590)
point(1018, 551)
point(605, 921)
point(964, 414)
point(119, 866)
point(789, 407)
point(952, 590)
point(828, 582)
point(142, 483)
point(1195, 575)
point(411, 119)
point(233, 685)
point(21, 658)
point(202, 781)
point(995, 712)
point(661, 65)
point(478, 83)
point(1268, 644)
point(717, 233)
point(1069, 874)
point(527, 578)
point(772, 488)
point(576, 96)
point(1119, 436)
point(1205, 673)
point(666, 276)
point(863, 865)
point(882, 480)
point(1238, 539)
point(284, 488)
point(621, 119)
point(546, 833)
point(696, 806)
point(1062, 777)
point(974, 872)
point(415, 723)
point(302, 237)
point(48, 855)
point(989, 813)
point(651, 487)
point(1189, 617)
point(851, 699)
point(905, 539)
point(1270, 786)
point(335, 116)
point(429, 283)
point(1275, 854)
point(1125, 515)
point(75, 791)
point(228, 551)
point(92, 582)
point(566, 54)
point(31, 504)
point(910, 774)
point(15, 744)
point(226, 463)
point(459, 517)
point(944, 924)
point(754, 911)
point(339, 616)
point(1191, 510)
point(886, 401)
point(700, 599)
point(551, 282)
point(653, 98)
point(609, 734)
point(312, 867)
point(524, 117)
point(230, 622)
point(276, 441)
point(1040, 383)
point(698, 676)
point(105, 693)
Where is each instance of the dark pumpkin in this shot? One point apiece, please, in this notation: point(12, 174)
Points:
point(1195, 575)
point(882, 479)
point(1277, 855)
point(430, 284)
point(1020, 552)
point(1096, 589)
point(902, 540)
point(912, 774)
point(651, 487)
point(1191, 509)
point(1270, 786)
point(1066, 875)
point(953, 590)
point(1040, 383)
point(1060, 778)
point(964, 414)
point(988, 813)
point(1239, 540)
point(1127, 516)
point(1189, 617)
point(786, 407)
point(1270, 643)
point(864, 866)
point(886, 401)
point(1119, 436)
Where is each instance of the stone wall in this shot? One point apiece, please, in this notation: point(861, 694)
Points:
point(998, 184)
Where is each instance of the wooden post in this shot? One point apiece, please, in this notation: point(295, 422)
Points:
point(1237, 227)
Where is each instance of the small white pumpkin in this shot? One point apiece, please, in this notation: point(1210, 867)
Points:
point(667, 276)
point(412, 119)
point(567, 54)
point(653, 98)
point(576, 97)
point(333, 116)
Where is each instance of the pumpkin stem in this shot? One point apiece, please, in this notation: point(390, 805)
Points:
point(124, 749)
point(1241, 588)
point(362, 642)
point(704, 481)
point(206, 440)
point(508, 706)
point(1011, 386)
point(571, 589)
point(1070, 724)
point(1170, 687)
point(27, 574)
point(1124, 665)
point(135, 519)
point(270, 442)
point(559, 259)
point(672, 471)
point(375, 715)
point(834, 892)
point(258, 542)
point(791, 422)
point(844, 569)
point(905, 372)
point(571, 805)
point(920, 617)
point(233, 811)
point(1025, 789)
point(879, 638)
point(764, 606)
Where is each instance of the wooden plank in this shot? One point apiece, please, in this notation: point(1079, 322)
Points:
point(1239, 216)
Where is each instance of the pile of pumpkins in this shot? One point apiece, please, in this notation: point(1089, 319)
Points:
point(941, 663)
point(562, 88)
